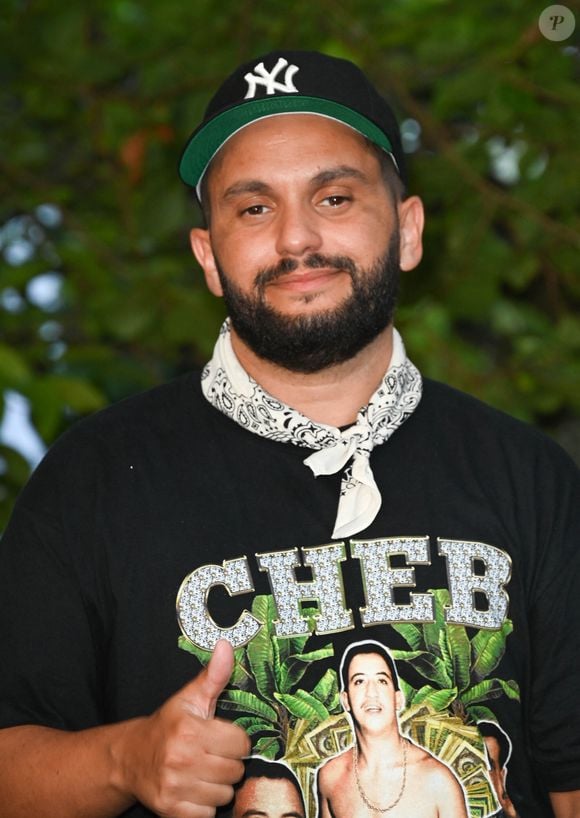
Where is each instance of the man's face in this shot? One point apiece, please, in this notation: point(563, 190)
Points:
point(268, 798)
point(303, 241)
point(371, 697)
point(496, 772)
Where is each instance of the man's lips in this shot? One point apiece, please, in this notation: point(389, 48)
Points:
point(372, 708)
point(306, 280)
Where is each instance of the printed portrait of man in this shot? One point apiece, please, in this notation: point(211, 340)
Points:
point(382, 769)
point(269, 789)
point(498, 749)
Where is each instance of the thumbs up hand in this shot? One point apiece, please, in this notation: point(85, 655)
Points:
point(181, 761)
point(201, 694)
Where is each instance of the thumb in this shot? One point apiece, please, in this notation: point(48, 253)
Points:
point(202, 693)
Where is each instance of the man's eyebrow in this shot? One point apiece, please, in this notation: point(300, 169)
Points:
point(337, 173)
point(246, 186)
point(247, 813)
point(363, 673)
point(324, 177)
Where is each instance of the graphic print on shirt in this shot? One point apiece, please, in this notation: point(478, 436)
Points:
point(286, 689)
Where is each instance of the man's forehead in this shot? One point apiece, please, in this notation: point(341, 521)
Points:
point(262, 795)
point(259, 783)
point(492, 744)
point(364, 663)
point(279, 126)
point(323, 143)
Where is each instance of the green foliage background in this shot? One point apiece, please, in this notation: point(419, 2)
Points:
point(97, 100)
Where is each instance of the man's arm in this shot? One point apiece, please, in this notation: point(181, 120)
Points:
point(323, 807)
point(321, 789)
point(181, 762)
point(450, 797)
point(566, 804)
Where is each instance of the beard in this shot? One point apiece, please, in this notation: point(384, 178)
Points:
point(315, 341)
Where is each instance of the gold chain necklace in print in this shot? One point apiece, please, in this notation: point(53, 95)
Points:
point(367, 801)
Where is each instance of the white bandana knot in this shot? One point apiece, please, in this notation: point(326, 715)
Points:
point(229, 388)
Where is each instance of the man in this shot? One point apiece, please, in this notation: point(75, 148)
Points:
point(269, 789)
point(201, 488)
point(382, 771)
point(498, 749)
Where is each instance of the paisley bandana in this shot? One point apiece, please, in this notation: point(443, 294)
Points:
point(229, 388)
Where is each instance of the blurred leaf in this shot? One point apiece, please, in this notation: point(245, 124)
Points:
point(13, 368)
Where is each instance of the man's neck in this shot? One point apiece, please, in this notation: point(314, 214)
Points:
point(333, 396)
point(376, 751)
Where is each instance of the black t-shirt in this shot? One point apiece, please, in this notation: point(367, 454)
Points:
point(469, 575)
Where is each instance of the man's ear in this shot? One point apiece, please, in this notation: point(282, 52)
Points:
point(399, 700)
point(344, 701)
point(411, 221)
point(202, 250)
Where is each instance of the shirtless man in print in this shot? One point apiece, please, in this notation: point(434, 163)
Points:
point(382, 772)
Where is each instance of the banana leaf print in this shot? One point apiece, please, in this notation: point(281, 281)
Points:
point(264, 690)
point(455, 666)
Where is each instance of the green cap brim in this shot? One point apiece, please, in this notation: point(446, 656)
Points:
point(209, 138)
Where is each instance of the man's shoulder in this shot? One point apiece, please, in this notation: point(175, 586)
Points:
point(158, 419)
point(443, 399)
point(158, 404)
point(431, 769)
point(335, 768)
point(459, 418)
point(165, 406)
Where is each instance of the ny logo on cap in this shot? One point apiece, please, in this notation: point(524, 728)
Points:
point(269, 79)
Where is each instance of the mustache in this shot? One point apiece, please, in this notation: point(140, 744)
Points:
point(314, 261)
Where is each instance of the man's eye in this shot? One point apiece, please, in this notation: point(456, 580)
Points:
point(255, 210)
point(335, 201)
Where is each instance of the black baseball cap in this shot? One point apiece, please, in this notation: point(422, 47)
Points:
point(286, 82)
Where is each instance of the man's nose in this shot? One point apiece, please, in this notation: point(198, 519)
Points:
point(298, 231)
